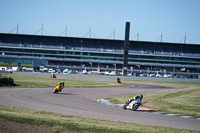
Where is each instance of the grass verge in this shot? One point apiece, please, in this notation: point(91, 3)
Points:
point(77, 123)
point(33, 81)
point(179, 101)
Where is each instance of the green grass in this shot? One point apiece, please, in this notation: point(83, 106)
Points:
point(32, 81)
point(77, 123)
point(179, 101)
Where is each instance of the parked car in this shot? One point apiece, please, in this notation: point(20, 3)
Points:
point(106, 73)
point(165, 76)
point(170, 75)
point(94, 72)
point(51, 70)
point(112, 73)
point(84, 71)
point(158, 75)
point(65, 71)
point(143, 75)
point(152, 75)
point(130, 74)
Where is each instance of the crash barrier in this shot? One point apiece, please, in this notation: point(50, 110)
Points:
point(6, 72)
point(6, 82)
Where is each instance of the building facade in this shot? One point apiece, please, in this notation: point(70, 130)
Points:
point(99, 53)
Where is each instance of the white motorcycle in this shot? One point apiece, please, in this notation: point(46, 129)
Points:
point(133, 104)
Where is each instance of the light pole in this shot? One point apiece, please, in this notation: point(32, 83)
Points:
point(90, 64)
point(115, 67)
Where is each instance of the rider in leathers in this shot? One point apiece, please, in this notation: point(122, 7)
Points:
point(135, 98)
point(62, 85)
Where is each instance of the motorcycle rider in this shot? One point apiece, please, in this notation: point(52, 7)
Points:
point(136, 98)
point(53, 75)
point(62, 85)
point(118, 80)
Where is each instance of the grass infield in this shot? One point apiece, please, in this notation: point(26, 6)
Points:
point(178, 101)
point(33, 81)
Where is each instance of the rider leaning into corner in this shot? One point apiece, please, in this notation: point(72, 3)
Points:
point(118, 80)
point(136, 98)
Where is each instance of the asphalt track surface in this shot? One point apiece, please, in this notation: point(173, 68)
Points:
point(83, 102)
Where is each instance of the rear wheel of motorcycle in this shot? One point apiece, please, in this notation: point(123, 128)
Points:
point(135, 107)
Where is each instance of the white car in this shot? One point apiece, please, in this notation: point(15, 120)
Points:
point(143, 75)
point(9, 70)
point(158, 75)
point(65, 71)
point(152, 75)
point(51, 70)
point(165, 76)
point(106, 73)
point(84, 71)
point(112, 73)
point(130, 74)
point(170, 76)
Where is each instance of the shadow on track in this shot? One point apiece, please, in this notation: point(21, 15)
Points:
point(65, 93)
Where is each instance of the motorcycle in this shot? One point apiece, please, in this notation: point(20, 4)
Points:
point(57, 89)
point(133, 104)
point(53, 75)
point(118, 81)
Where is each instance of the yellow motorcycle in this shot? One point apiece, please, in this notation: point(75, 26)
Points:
point(57, 89)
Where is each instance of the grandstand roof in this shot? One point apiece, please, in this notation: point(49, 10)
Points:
point(60, 39)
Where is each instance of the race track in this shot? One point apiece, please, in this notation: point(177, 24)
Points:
point(83, 102)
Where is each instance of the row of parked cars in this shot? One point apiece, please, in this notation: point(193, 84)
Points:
point(68, 71)
point(118, 72)
point(168, 75)
point(158, 75)
point(134, 73)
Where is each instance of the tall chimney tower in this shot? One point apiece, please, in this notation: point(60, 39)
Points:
point(126, 48)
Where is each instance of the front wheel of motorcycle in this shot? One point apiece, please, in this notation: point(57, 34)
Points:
point(135, 107)
point(55, 91)
point(124, 107)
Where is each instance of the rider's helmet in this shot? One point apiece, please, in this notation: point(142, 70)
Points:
point(63, 82)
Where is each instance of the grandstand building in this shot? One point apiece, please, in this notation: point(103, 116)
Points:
point(98, 53)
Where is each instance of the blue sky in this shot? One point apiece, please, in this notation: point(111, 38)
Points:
point(173, 18)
